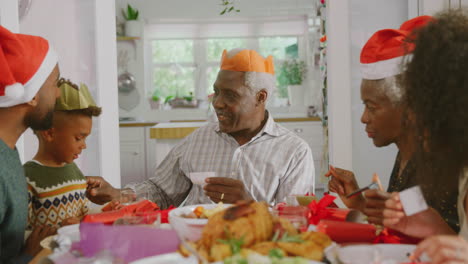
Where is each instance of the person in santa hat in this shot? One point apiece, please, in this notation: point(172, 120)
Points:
point(436, 92)
point(386, 123)
point(28, 90)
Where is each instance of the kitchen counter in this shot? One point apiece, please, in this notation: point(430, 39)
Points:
point(174, 130)
point(139, 123)
point(136, 124)
point(180, 129)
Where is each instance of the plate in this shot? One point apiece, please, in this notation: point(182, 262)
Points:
point(173, 258)
point(45, 243)
point(170, 258)
point(367, 254)
point(190, 228)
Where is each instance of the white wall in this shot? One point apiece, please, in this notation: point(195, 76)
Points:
point(207, 9)
point(366, 17)
point(66, 32)
point(180, 10)
point(71, 26)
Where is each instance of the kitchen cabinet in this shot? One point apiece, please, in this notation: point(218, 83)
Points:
point(132, 155)
point(312, 133)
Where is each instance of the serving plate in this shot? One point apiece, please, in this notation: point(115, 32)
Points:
point(368, 254)
point(173, 258)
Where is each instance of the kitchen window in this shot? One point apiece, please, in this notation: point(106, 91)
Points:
point(184, 59)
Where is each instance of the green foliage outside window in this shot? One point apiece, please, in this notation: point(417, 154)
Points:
point(175, 72)
point(172, 51)
point(215, 47)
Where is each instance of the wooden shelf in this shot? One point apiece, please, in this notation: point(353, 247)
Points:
point(125, 38)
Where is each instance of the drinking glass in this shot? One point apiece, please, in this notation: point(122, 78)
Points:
point(297, 215)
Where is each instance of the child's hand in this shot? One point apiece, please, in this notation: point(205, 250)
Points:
point(70, 221)
point(32, 246)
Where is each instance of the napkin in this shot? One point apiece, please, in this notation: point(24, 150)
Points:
point(126, 242)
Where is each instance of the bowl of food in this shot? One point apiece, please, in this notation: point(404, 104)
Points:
point(188, 221)
point(303, 200)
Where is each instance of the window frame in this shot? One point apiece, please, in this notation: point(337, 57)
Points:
point(201, 64)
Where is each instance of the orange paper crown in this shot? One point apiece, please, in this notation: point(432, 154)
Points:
point(247, 61)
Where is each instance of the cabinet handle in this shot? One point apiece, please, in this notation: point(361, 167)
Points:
point(298, 130)
point(136, 153)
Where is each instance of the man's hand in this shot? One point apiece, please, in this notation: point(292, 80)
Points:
point(343, 182)
point(225, 190)
point(99, 191)
point(374, 205)
point(32, 246)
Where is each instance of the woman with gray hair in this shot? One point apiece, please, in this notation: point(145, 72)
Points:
point(387, 123)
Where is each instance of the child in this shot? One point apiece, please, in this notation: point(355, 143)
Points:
point(56, 185)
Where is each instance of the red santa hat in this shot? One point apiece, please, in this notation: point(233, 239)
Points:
point(383, 53)
point(25, 64)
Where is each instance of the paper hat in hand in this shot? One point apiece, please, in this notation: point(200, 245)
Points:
point(382, 55)
point(247, 61)
point(25, 64)
point(73, 97)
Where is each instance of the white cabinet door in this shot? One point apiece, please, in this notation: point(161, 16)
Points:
point(132, 155)
point(312, 133)
point(152, 161)
point(132, 163)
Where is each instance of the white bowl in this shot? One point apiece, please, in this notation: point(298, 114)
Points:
point(189, 228)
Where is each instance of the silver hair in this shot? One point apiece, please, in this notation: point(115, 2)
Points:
point(256, 81)
point(390, 86)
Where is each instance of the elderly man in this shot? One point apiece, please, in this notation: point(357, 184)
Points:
point(28, 90)
point(250, 155)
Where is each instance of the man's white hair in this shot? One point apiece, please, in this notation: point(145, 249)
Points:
point(257, 81)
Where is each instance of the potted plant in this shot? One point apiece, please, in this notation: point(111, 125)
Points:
point(292, 73)
point(132, 25)
point(155, 101)
point(187, 101)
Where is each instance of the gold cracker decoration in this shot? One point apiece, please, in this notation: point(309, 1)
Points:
point(73, 97)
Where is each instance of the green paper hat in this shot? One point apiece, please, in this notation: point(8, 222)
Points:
point(74, 98)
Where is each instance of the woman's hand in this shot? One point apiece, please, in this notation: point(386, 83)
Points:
point(343, 182)
point(444, 249)
point(420, 225)
point(374, 205)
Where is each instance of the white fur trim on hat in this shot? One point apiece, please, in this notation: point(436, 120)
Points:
point(14, 91)
point(382, 69)
point(33, 85)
